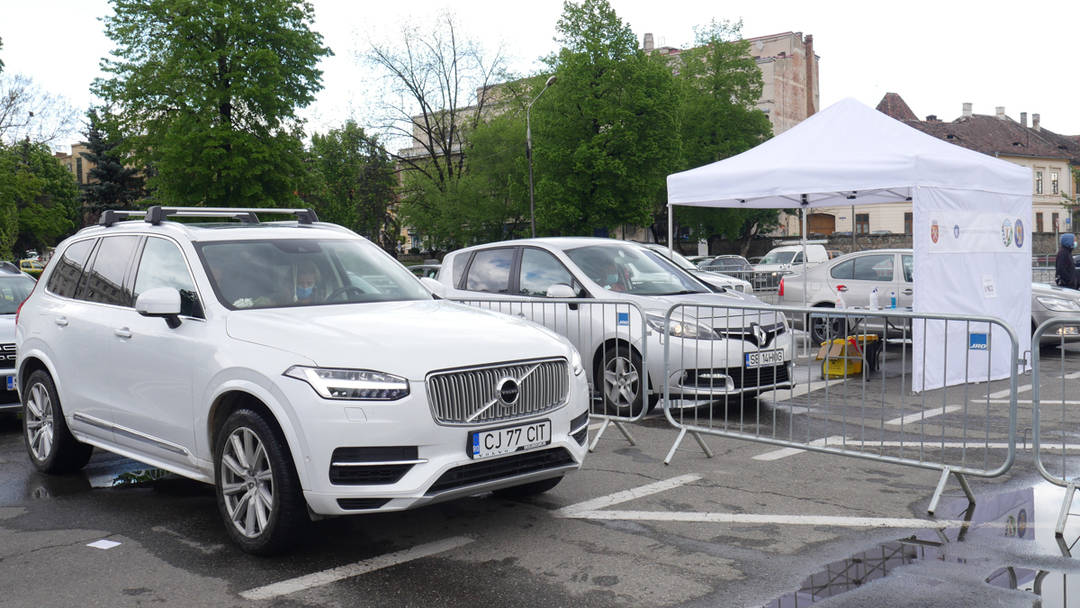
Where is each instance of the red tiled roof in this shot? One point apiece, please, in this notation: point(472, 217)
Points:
point(893, 105)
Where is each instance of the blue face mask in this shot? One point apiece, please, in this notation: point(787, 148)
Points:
point(303, 293)
point(611, 279)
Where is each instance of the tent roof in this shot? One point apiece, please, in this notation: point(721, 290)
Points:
point(847, 148)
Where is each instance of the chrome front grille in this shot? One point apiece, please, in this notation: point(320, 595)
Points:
point(471, 395)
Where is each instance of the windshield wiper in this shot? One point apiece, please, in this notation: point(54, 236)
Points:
point(680, 293)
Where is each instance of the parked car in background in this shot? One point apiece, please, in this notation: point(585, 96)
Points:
point(294, 365)
point(32, 267)
point(425, 270)
point(754, 348)
point(854, 276)
point(715, 280)
point(15, 286)
point(834, 253)
point(727, 264)
point(697, 259)
point(784, 260)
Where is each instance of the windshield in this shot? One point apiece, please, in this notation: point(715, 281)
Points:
point(679, 259)
point(778, 257)
point(629, 269)
point(13, 290)
point(305, 272)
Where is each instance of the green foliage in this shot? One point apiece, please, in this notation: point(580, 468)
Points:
point(353, 183)
point(607, 136)
point(721, 84)
point(111, 185)
point(208, 93)
point(38, 199)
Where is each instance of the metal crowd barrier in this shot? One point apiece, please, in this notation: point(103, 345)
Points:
point(1043, 274)
point(612, 337)
point(1054, 421)
point(853, 397)
point(763, 281)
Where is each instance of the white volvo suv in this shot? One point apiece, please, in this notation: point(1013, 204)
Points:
point(294, 365)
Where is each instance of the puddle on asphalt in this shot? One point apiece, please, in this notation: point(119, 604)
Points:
point(1008, 515)
point(113, 473)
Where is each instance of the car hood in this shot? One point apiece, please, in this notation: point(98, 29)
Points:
point(404, 338)
point(713, 308)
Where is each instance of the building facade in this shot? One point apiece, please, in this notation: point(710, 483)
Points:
point(1052, 158)
point(75, 163)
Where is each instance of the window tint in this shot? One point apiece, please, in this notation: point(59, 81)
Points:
point(540, 270)
point(490, 271)
point(65, 277)
point(460, 261)
point(13, 290)
point(798, 258)
point(909, 265)
point(874, 268)
point(162, 265)
point(105, 280)
point(843, 270)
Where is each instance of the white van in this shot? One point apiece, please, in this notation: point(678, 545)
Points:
point(790, 257)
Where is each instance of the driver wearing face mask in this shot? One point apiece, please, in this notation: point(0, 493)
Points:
point(307, 284)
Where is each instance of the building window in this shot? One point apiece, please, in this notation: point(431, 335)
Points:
point(907, 223)
point(1038, 222)
point(1054, 219)
point(78, 170)
point(862, 223)
point(1038, 182)
point(1053, 182)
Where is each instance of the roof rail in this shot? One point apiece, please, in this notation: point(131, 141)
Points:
point(157, 214)
point(111, 216)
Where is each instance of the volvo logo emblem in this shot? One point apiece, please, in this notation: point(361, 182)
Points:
point(759, 334)
point(507, 391)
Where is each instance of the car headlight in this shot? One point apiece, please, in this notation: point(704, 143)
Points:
point(575, 363)
point(1058, 304)
point(680, 328)
point(351, 384)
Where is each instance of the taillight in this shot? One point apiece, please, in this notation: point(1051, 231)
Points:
point(19, 309)
point(781, 292)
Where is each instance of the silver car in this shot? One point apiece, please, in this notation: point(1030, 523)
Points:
point(854, 276)
point(715, 280)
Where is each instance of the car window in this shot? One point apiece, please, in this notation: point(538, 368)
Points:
point(874, 268)
point(798, 258)
point(631, 269)
point(909, 266)
point(162, 265)
point(276, 273)
point(844, 270)
point(490, 271)
point(540, 270)
point(105, 279)
point(460, 261)
point(778, 257)
point(69, 268)
point(13, 290)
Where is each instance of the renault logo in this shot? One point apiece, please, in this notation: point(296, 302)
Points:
point(507, 391)
point(760, 335)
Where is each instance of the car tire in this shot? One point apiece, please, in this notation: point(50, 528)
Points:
point(258, 491)
point(821, 328)
point(623, 382)
point(51, 446)
point(528, 489)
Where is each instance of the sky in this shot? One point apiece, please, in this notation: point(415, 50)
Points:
point(936, 55)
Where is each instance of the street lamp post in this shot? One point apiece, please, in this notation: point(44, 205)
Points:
point(528, 153)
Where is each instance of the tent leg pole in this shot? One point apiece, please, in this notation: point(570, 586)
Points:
point(670, 228)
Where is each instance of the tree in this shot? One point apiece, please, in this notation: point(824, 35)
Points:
point(111, 185)
point(721, 85)
point(608, 135)
point(38, 198)
point(207, 94)
point(30, 113)
point(354, 183)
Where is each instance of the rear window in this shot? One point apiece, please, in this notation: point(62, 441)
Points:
point(105, 279)
point(69, 268)
point(490, 271)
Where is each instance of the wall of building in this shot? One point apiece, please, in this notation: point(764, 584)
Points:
point(789, 70)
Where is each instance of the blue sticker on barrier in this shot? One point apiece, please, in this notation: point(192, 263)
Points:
point(977, 342)
point(622, 319)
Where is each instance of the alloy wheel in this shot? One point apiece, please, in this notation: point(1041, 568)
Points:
point(39, 422)
point(247, 483)
point(621, 382)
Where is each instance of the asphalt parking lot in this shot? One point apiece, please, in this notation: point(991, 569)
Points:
point(752, 526)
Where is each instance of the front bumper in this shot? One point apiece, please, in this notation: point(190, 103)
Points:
point(9, 399)
point(370, 457)
point(707, 370)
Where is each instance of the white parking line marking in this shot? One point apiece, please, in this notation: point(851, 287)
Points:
point(800, 390)
point(103, 544)
point(1005, 393)
point(749, 518)
point(369, 565)
point(923, 415)
point(785, 452)
point(626, 495)
point(1028, 401)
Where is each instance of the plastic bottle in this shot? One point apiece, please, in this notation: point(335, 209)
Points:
point(874, 305)
point(892, 298)
point(840, 300)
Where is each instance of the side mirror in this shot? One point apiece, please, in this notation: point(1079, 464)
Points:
point(561, 290)
point(161, 302)
point(436, 288)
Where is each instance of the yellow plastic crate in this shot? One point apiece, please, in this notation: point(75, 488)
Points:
point(843, 357)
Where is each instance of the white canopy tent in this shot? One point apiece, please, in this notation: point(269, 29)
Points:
point(971, 214)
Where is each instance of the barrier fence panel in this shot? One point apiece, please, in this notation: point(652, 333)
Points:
point(1055, 425)
point(612, 337)
point(852, 396)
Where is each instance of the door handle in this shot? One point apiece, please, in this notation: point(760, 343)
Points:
point(61, 321)
point(122, 332)
point(841, 288)
point(908, 291)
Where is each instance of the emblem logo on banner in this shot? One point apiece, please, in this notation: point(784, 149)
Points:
point(956, 231)
point(1006, 233)
point(934, 231)
point(1018, 233)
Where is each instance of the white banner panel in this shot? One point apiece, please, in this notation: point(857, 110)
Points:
point(972, 257)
